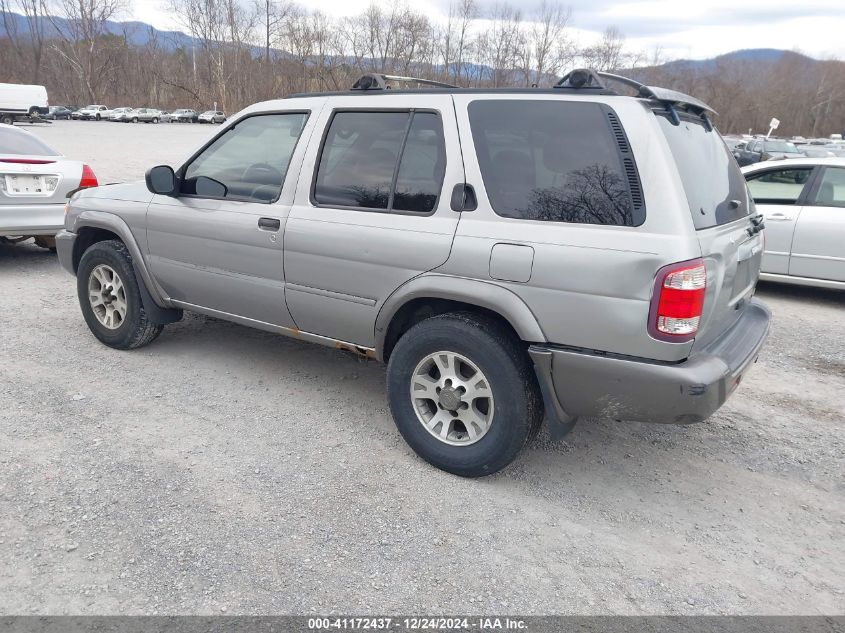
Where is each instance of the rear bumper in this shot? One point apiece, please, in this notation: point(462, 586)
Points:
point(32, 219)
point(621, 388)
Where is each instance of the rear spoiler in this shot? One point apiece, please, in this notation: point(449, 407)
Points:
point(590, 79)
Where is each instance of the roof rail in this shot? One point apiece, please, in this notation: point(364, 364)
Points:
point(378, 81)
point(586, 78)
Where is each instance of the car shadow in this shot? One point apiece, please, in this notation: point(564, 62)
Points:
point(824, 296)
point(27, 253)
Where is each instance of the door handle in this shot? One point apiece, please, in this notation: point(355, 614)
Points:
point(778, 217)
point(269, 224)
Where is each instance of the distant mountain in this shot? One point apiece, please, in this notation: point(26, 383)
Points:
point(754, 55)
point(141, 34)
point(136, 33)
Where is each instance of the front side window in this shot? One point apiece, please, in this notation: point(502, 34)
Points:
point(831, 191)
point(778, 186)
point(250, 159)
point(389, 161)
point(555, 161)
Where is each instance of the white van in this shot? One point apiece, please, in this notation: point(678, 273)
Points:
point(21, 100)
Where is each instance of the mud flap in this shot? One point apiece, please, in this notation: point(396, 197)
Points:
point(560, 423)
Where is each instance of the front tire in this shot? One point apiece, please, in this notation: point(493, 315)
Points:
point(463, 393)
point(110, 298)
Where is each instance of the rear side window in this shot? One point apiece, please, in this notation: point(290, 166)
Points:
point(13, 141)
point(556, 161)
point(711, 177)
point(387, 161)
point(778, 186)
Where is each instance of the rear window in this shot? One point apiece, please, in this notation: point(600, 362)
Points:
point(16, 142)
point(556, 161)
point(710, 175)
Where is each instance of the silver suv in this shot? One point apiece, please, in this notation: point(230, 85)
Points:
point(508, 253)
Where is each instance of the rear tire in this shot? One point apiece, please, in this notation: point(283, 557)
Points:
point(133, 329)
point(7, 119)
point(480, 355)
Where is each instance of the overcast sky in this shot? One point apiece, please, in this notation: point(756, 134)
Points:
point(682, 28)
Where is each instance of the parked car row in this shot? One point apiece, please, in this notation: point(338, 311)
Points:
point(135, 115)
point(749, 150)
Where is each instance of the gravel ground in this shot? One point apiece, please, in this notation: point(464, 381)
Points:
point(223, 469)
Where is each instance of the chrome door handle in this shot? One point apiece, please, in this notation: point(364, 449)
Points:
point(778, 217)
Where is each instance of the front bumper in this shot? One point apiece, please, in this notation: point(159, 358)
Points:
point(31, 219)
point(596, 385)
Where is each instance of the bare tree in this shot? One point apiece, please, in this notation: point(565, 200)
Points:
point(29, 46)
point(82, 40)
point(550, 44)
point(607, 54)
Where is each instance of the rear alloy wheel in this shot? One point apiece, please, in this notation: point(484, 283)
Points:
point(452, 398)
point(7, 119)
point(463, 393)
point(134, 119)
point(155, 119)
point(110, 297)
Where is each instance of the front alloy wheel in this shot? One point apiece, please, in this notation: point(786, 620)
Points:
point(107, 296)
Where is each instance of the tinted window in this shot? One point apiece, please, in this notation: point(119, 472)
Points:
point(831, 192)
point(360, 155)
point(552, 160)
point(422, 166)
point(710, 175)
point(779, 186)
point(250, 159)
point(13, 141)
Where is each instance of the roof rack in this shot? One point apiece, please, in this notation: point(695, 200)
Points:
point(586, 78)
point(378, 81)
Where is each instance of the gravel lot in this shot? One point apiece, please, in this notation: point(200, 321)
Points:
point(223, 469)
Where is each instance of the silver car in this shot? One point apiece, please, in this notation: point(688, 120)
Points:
point(212, 116)
point(510, 254)
point(803, 202)
point(146, 115)
point(121, 114)
point(35, 180)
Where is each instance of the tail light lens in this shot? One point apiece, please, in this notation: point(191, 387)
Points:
point(678, 301)
point(88, 178)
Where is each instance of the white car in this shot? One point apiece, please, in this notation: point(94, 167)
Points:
point(803, 203)
point(35, 181)
point(93, 112)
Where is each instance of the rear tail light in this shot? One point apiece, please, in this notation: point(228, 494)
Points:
point(677, 301)
point(88, 178)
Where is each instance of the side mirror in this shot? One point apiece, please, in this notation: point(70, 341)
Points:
point(161, 180)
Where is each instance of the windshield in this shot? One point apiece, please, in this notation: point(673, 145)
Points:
point(780, 146)
point(711, 177)
point(20, 143)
